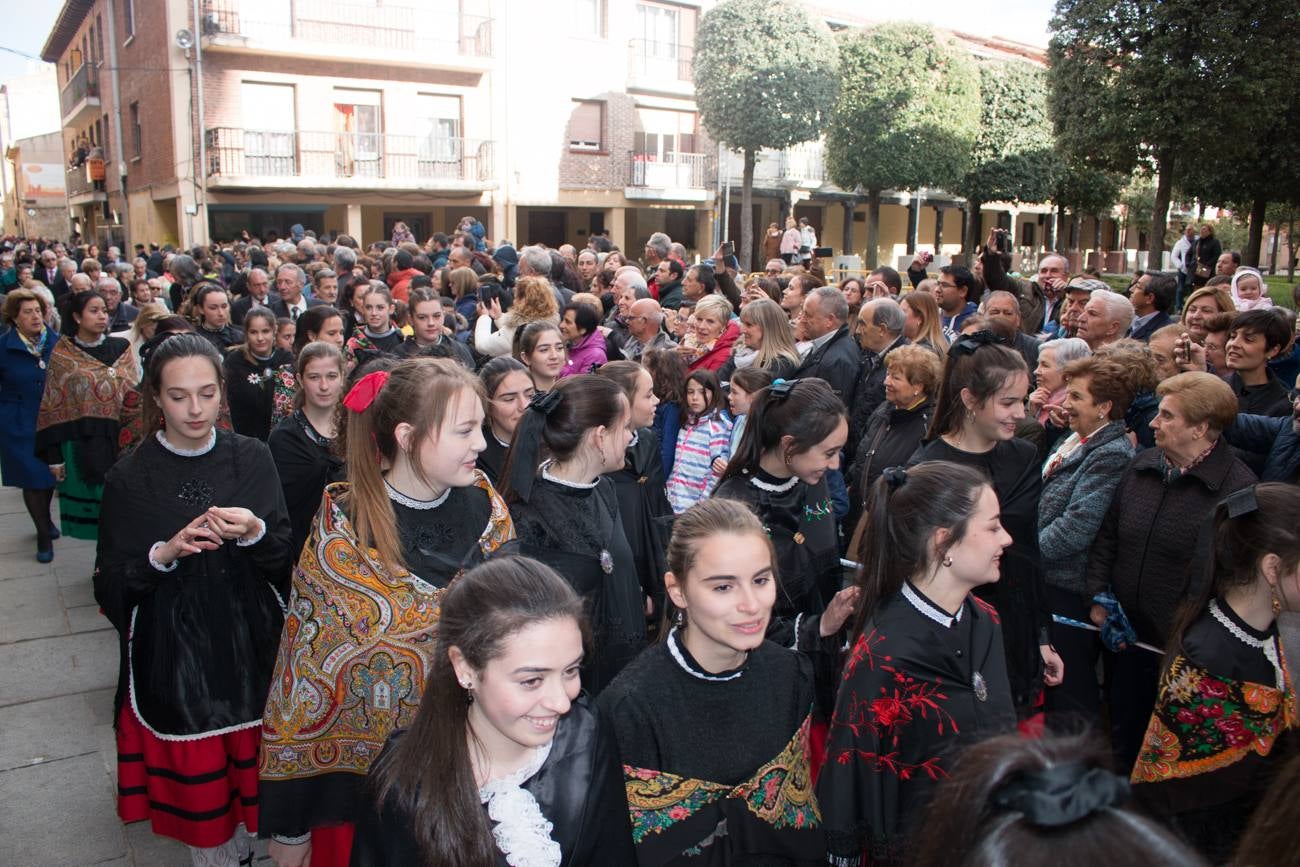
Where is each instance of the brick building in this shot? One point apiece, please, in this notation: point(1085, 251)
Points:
point(545, 121)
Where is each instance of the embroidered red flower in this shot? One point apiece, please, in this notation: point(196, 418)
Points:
point(1234, 731)
point(1187, 716)
point(1211, 711)
point(890, 712)
point(678, 813)
point(1212, 688)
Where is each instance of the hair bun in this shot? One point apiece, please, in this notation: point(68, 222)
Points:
point(1062, 795)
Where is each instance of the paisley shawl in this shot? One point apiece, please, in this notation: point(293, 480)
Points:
point(79, 386)
point(356, 645)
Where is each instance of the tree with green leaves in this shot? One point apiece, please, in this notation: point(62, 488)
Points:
point(1084, 192)
point(765, 77)
point(1154, 83)
point(1013, 158)
point(907, 116)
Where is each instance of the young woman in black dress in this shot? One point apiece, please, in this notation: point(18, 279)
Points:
point(566, 511)
point(192, 568)
point(250, 375)
point(981, 403)
point(794, 433)
point(716, 713)
point(505, 762)
point(303, 445)
point(926, 674)
point(642, 503)
point(509, 388)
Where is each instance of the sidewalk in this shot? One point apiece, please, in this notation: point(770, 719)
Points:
point(58, 671)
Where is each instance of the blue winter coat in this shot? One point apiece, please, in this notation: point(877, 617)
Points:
point(22, 382)
point(1074, 501)
point(1273, 436)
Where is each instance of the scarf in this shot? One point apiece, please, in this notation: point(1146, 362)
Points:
point(78, 386)
point(358, 639)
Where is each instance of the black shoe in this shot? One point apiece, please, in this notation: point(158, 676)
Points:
point(45, 556)
point(54, 530)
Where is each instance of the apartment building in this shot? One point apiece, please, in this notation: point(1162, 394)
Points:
point(546, 121)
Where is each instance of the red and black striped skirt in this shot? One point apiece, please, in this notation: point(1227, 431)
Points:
point(195, 791)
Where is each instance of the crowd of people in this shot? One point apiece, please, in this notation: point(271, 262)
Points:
point(457, 553)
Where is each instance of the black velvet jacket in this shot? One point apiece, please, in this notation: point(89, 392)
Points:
point(579, 789)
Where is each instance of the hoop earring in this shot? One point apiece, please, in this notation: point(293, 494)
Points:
point(947, 561)
point(679, 619)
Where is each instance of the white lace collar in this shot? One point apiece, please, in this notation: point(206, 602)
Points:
point(92, 344)
point(520, 830)
point(693, 669)
point(581, 486)
point(929, 609)
point(1267, 646)
point(771, 487)
point(411, 503)
point(188, 453)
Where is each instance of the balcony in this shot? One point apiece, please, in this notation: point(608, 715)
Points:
point(802, 166)
point(79, 98)
point(81, 190)
point(675, 177)
point(260, 159)
point(662, 67)
point(415, 34)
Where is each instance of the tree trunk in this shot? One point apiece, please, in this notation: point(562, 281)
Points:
point(1160, 211)
point(974, 224)
point(1290, 248)
point(913, 223)
point(873, 229)
point(746, 214)
point(849, 207)
point(1255, 237)
point(938, 229)
point(1277, 243)
point(1060, 233)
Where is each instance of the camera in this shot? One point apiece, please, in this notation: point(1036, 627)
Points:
point(1002, 240)
point(728, 249)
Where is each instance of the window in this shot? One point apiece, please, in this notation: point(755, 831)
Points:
point(358, 128)
point(128, 17)
point(269, 128)
point(587, 126)
point(1027, 234)
point(665, 38)
point(99, 39)
point(439, 138)
point(663, 134)
point(135, 130)
point(590, 17)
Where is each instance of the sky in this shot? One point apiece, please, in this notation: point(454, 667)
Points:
point(1021, 20)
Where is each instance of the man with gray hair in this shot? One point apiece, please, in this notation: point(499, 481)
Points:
point(657, 249)
point(345, 259)
point(535, 261)
point(833, 355)
point(1039, 298)
point(1105, 318)
point(289, 282)
point(879, 330)
point(645, 323)
point(120, 316)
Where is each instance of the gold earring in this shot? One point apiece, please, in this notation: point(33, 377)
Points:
point(1277, 604)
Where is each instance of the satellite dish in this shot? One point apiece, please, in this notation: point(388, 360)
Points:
point(184, 39)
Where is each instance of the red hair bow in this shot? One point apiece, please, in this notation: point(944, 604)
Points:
point(364, 392)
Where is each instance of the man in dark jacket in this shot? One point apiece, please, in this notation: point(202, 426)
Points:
point(834, 356)
point(1153, 297)
point(879, 331)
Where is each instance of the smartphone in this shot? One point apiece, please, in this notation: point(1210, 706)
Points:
point(823, 252)
point(927, 256)
point(728, 248)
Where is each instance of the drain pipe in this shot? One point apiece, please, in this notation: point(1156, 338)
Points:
point(123, 216)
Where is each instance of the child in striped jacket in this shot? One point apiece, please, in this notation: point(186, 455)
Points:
point(704, 437)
